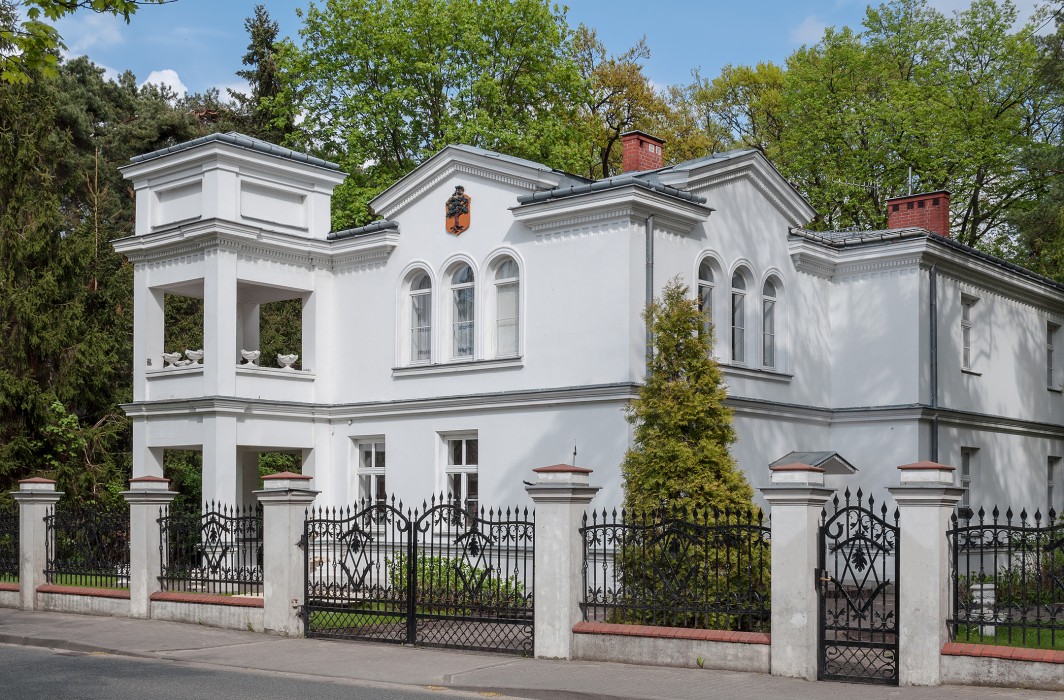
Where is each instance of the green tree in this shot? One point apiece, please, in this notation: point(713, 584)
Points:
point(680, 456)
point(383, 84)
point(260, 117)
point(32, 45)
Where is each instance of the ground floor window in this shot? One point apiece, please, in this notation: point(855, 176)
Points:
point(463, 457)
point(372, 487)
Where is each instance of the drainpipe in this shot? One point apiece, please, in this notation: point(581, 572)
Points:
point(933, 309)
point(650, 287)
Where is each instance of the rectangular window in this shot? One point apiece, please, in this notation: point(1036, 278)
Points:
point(420, 327)
point(463, 322)
point(967, 457)
point(463, 456)
point(371, 462)
point(768, 325)
point(738, 339)
point(1051, 469)
point(1051, 334)
point(966, 331)
point(507, 317)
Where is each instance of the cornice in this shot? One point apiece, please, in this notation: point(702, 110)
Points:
point(632, 203)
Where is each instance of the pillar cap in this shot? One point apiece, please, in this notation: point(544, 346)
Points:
point(36, 483)
point(149, 483)
point(284, 481)
point(926, 472)
point(563, 474)
point(797, 474)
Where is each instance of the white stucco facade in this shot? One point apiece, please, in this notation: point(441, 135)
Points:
point(240, 223)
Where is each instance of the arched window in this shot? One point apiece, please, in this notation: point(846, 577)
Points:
point(768, 324)
point(421, 318)
point(738, 317)
point(462, 329)
point(705, 295)
point(507, 309)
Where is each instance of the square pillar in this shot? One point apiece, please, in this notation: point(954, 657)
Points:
point(797, 497)
point(147, 497)
point(561, 495)
point(926, 500)
point(284, 500)
point(35, 498)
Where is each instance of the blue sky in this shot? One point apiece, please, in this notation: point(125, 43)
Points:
point(197, 44)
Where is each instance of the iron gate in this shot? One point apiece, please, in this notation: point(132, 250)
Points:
point(858, 593)
point(443, 576)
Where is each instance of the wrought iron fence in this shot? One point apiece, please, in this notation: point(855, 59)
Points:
point(9, 520)
point(218, 550)
point(702, 570)
point(438, 575)
point(1008, 578)
point(88, 544)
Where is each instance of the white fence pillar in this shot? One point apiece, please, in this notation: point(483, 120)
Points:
point(797, 497)
point(35, 496)
point(561, 495)
point(284, 500)
point(147, 497)
point(926, 499)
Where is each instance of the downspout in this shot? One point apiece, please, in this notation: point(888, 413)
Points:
point(650, 288)
point(933, 304)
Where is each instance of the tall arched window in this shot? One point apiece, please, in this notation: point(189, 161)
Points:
point(738, 318)
point(462, 330)
point(421, 318)
point(507, 309)
point(705, 294)
point(768, 324)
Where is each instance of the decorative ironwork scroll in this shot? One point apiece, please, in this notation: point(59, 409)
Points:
point(88, 545)
point(858, 592)
point(217, 551)
point(435, 576)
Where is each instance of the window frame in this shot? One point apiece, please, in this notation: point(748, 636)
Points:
point(738, 316)
point(1052, 370)
point(374, 474)
point(967, 324)
point(415, 292)
point(466, 472)
point(967, 473)
point(1052, 466)
point(498, 284)
point(467, 288)
point(770, 358)
point(705, 287)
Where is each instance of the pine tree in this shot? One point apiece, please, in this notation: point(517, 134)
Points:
point(263, 74)
point(683, 429)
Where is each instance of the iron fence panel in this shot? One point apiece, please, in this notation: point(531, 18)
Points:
point(88, 544)
point(215, 551)
point(704, 569)
point(9, 543)
point(1008, 578)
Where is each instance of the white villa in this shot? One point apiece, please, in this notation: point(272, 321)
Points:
point(490, 322)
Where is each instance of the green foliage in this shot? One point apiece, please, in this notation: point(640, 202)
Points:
point(30, 46)
point(384, 84)
point(680, 457)
point(258, 115)
point(444, 584)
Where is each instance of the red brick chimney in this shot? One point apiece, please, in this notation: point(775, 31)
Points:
point(641, 152)
point(929, 210)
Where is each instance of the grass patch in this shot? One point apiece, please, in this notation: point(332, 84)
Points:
point(8, 578)
point(1027, 638)
point(328, 619)
point(86, 581)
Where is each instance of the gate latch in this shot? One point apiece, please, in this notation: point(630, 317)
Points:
point(823, 578)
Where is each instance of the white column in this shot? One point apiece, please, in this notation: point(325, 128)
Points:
point(797, 497)
point(221, 353)
point(148, 497)
point(926, 499)
point(147, 461)
point(220, 459)
point(561, 495)
point(284, 500)
point(35, 497)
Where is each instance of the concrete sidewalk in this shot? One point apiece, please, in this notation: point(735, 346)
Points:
point(393, 665)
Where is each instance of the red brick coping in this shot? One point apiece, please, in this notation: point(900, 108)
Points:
point(1046, 656)
point(671, 633)
point(207, 599)
point(9, 586)
point(119, 593)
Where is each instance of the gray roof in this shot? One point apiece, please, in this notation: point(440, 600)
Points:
point(372, 227)
point(567, 178)
point(240, 141)
point(830, 462)
point(638, 179)
point(848, 238)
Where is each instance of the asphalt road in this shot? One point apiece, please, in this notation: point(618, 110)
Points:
point(30, 673)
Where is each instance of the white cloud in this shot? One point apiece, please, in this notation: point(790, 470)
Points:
point(91, 31)
point(810, 31)
point(169, 78)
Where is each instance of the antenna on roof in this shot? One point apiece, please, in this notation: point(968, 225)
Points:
point(910, 180)
point(574, 454)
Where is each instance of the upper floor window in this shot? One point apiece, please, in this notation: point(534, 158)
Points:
point(421, 319)
point(462, 313)
point(1051, 469)
point(768, 324)
point(967, 304)
point(705, 295)
point(738, 318)
point(1051, 369)
point(507, 309)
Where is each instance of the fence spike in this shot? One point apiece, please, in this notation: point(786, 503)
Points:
point(1052, 515)
point(1023, 515)
point(1037, 518)
point(1008, 515)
